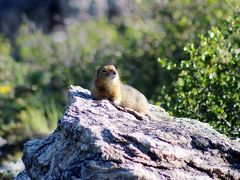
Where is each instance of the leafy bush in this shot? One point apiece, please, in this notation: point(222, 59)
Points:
point(208, 87)
point(24, 112)
point(182, 21)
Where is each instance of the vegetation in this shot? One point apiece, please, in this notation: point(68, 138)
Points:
point(208, 85)
point(199, 81)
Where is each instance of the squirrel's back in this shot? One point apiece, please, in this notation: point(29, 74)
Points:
point(132, 98)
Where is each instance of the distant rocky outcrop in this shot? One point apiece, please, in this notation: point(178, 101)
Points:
point(54, 15)
point(49, 14)
point(8, 169)
point(96, 140)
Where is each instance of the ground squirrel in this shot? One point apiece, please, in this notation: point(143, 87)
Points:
point(107, 85)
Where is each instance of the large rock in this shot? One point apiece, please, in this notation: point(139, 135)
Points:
point(96, 140)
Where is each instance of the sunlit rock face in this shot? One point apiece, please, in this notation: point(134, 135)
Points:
point(96, 140)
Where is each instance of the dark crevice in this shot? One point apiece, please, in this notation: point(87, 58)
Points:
point(164, 140)
point(233, 157)
point(200, 143)
point(211, 173)
point(44, 169)
point(205, 144)
point(158, 166)
point(201, 169)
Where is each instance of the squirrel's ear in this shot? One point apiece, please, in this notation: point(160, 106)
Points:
point(97, 69)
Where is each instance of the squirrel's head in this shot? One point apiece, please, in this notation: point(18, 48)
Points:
point(107, 73)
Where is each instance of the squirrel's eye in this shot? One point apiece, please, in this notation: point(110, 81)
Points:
point(104, 70)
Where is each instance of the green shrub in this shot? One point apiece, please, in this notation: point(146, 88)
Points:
point(208, 86)
point(25, 111)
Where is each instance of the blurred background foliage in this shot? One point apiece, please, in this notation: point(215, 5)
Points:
point(183, 55)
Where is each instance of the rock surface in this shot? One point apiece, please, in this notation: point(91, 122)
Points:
point(96, 140)
point(10, 169)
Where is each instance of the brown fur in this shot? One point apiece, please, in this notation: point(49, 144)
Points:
point(107, 85)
